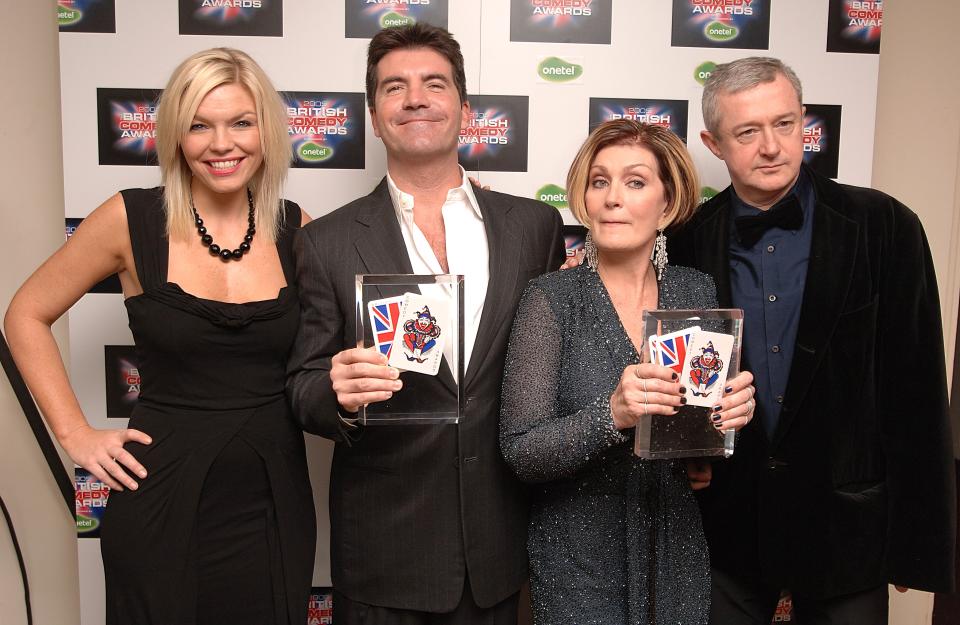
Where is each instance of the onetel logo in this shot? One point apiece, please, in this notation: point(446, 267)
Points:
point(86, 524)
point(707, 193)
point(703, 71)
point(554, 195)
point(395, 20)
point(314, 152)
point(556, 69)
point(68, 17)
point(718, 31)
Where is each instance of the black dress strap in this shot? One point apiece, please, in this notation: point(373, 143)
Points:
point(292, 222)
point(146, 221)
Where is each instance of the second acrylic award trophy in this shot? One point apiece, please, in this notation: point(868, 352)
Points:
point(703, 348)
point(416, 321)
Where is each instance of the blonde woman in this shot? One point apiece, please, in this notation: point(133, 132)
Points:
point(612, 539)
point(209, 480)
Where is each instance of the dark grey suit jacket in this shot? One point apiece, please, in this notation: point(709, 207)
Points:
point(416, 508)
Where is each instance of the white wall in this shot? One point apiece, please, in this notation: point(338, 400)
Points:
point(917, 159)
point(31, 209)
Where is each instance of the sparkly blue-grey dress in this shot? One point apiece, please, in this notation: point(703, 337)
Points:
point(612, 539)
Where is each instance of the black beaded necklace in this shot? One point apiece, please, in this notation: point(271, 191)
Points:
point(225, 254)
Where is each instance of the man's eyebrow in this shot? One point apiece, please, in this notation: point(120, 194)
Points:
point(398, 78)
point(436, 76)
point(390, 79)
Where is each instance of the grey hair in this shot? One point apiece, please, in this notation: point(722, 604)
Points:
point(741, 75)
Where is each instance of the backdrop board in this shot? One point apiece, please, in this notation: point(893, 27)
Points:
point(540, 74)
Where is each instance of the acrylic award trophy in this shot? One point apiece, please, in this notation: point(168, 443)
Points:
point(703, 348)
point(416, 321)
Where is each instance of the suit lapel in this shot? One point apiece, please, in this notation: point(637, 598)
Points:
point(503, 241)
point(829, 274)
point(380, 242)
point(712, 248)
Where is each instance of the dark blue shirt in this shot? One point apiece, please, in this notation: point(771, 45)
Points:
point(766, 281)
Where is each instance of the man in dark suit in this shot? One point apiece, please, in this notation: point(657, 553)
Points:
point(428, 524)
point(844, 483)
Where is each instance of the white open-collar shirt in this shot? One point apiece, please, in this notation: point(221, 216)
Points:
point(467, 254)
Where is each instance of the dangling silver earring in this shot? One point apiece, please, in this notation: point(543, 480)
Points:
point(659, 255)
point(590, 253)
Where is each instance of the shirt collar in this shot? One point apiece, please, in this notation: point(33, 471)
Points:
point(403, 202)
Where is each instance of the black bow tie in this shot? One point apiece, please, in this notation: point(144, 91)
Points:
point(786, 214)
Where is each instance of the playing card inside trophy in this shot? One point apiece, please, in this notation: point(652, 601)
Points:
point(703, 348)
point(416, 321)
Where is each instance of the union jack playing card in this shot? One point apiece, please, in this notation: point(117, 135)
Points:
point(384, 314)
point(669, 349)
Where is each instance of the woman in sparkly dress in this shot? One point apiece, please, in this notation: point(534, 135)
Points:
point(612, 539)
point(210, 517)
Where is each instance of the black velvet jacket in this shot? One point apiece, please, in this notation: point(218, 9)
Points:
point(856, 487)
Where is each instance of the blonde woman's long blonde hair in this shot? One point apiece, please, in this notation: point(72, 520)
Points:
point(190, 83)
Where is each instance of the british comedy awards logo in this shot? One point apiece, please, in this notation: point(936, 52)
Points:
point(671, 114)
point(821, 138)
point(110, 284)
point(496, 137)
point(854, 26)
point(560, 21)
point(86, 16)
point(721, 24)
point(122, 370)
point(326, 129)
point(320, 607)
point(574, 238)
point(364, 18)
point(259, 18)
point(91, 501)
point(127, 126)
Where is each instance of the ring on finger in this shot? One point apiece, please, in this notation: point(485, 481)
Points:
point(636, 371)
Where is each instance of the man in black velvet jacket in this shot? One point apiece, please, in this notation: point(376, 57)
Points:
point(844, 483)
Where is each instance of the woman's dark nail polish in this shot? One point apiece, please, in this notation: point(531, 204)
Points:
point(715, 417)
point(683, 400)
point(675, 376)
point(717, 408)
point(683, 390)
point(729, 389)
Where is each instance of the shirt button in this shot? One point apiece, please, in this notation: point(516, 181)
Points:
point(775, 349)
point(772, 298)
point(779, 399)
point(771, 248)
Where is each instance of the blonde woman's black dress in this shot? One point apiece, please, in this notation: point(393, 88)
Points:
point(223, 528)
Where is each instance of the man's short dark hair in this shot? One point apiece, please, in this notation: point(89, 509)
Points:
point(417, 35)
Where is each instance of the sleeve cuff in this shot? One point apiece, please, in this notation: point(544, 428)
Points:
point(613, 435)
